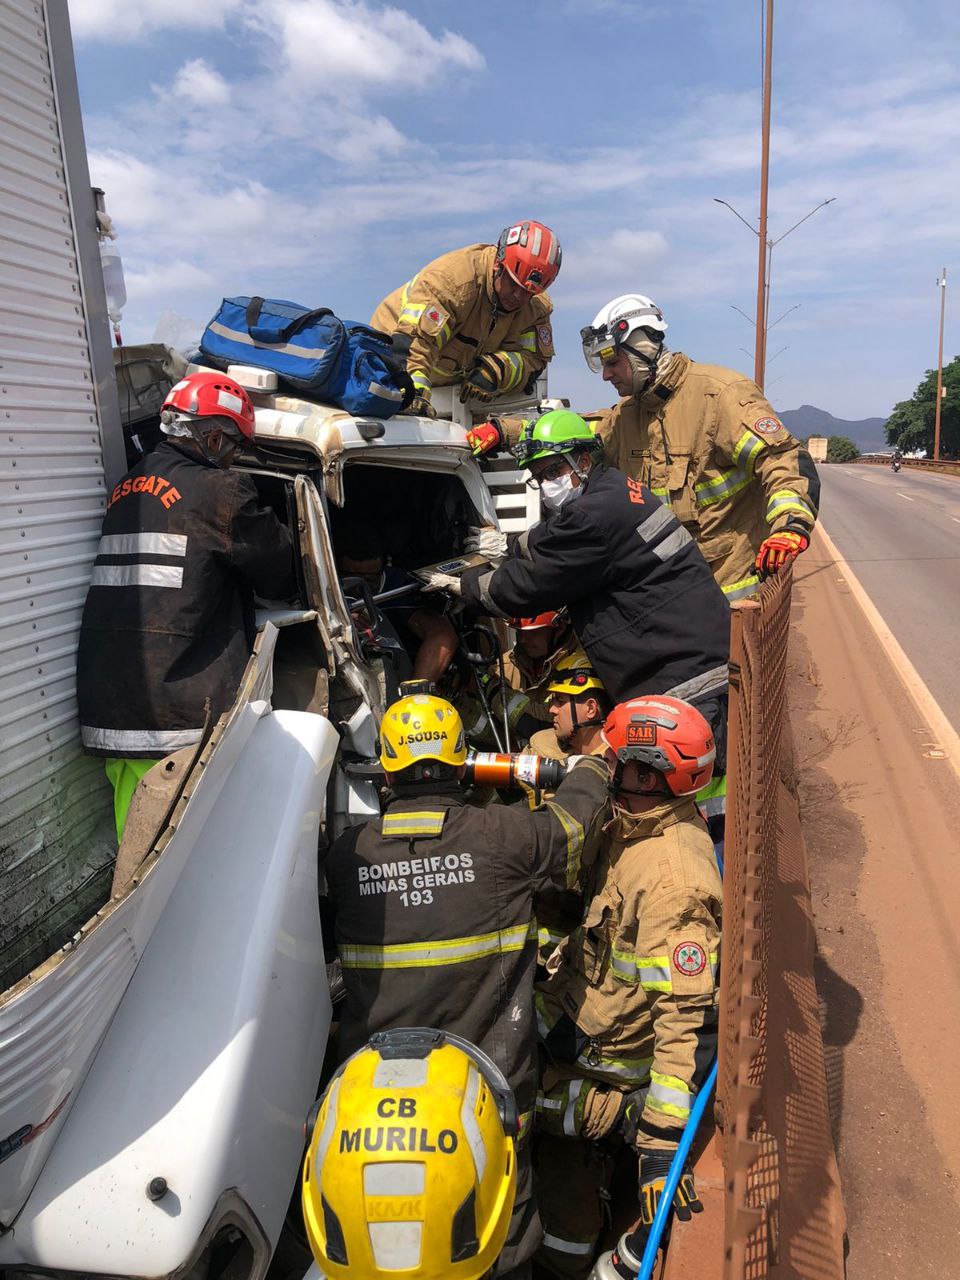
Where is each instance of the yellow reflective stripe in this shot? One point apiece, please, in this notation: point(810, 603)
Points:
point(623, 966)
point(575, 837)
point(421, 381)
point(548, 938)
point(725, 486)
point(742, 587)
point(544, 1024)
point(786, 500)
point(746, 451)
point(630, 1070)
point(659, 493)
point(428, 822)
point(528, 340)
point(525, 1121)
point(669, 1095)
point(654, 973)
point(427, 955)
point(515, 360)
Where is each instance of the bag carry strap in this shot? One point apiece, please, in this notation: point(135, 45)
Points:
point(261, 334)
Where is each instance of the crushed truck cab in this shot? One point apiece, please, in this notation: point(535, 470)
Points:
point(160, 1061)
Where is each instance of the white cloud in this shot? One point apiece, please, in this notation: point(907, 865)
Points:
point(347, 46)
point(201, 84)
point(120, 21)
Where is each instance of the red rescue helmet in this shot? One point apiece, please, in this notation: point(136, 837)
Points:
point(530, 254)
point(664, 734)
point(538, 621)
point(212, 395)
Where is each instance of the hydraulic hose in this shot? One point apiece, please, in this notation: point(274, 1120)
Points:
point(673, 1177)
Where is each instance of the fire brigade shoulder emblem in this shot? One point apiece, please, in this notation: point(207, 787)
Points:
point(690, 959)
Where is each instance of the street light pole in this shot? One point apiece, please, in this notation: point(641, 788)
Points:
point(761, 342)
point(942, 285)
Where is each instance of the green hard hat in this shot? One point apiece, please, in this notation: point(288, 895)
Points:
point(557, 432)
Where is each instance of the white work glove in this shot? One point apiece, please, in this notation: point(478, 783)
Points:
point(442, 582)
point(489, 543)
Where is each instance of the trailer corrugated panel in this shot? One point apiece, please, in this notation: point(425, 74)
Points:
point(56, 853)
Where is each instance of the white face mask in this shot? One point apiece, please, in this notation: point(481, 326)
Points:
point(556, 492)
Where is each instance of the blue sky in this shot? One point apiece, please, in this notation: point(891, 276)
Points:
point(323, 150)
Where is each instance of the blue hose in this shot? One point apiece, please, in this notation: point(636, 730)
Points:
point(673, 1177)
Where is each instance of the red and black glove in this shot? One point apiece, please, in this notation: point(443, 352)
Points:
point(485, 437)
point(779, 548)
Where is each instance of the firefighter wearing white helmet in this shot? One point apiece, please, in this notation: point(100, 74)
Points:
point(706, 440)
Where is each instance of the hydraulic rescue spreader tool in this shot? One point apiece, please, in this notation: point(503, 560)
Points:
point(512, 771)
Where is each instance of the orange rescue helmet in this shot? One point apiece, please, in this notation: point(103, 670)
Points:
point(663, 734)
point(530, 254)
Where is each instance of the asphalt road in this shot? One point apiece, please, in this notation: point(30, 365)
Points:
point(900, 534)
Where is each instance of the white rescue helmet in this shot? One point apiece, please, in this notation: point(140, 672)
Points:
point(618, 324)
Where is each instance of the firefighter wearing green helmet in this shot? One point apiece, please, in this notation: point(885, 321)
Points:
point(642, 600)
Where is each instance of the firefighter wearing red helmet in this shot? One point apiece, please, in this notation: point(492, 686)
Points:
point(628, 1012)
point(478, 316)
point(168, 623)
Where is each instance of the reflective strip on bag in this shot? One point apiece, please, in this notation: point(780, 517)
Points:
point(669, 1095)
point(282, 348)
point(428, 822)
point(386, 393)
point(429, 955)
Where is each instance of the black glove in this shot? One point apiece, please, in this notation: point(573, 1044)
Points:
point(484, 382)
point(654, 1167)
point(628, 1118)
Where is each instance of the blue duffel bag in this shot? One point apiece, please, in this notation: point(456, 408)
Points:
point(314, 352)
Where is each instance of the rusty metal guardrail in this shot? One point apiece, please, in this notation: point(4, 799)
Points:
point(783, 1209)
point(946, 466)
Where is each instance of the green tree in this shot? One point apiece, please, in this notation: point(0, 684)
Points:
point(841, 449)
point(911, 424)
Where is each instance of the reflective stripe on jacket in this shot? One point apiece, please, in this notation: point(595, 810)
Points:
point(708, 442)
point(449, 311)
point(169, 617)
point(434, 915)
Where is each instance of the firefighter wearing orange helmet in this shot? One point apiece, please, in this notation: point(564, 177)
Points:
point(478, 316)
point(628, 1012)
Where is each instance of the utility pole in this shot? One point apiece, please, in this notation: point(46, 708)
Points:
point(942, 285)
point(759, 360)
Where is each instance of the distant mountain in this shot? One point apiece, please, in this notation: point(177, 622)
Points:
point(808, 420)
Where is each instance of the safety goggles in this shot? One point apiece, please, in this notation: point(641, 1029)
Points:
point(599, 347)
point(552, 471)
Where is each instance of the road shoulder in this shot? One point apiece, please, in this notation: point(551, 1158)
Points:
point(880, 812)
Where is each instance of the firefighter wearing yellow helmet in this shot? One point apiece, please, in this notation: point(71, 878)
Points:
point(433, 904)
point(412, 1163)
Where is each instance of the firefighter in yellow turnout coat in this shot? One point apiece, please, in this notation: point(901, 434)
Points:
point(706, 440)
point(478, 316)
point(628, 1014)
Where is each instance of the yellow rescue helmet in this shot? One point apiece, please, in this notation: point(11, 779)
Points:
point(411, 1168)
point(574, 674)
point(418, 728)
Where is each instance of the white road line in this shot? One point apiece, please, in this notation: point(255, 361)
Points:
point(940, 727)
point(904, 496)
